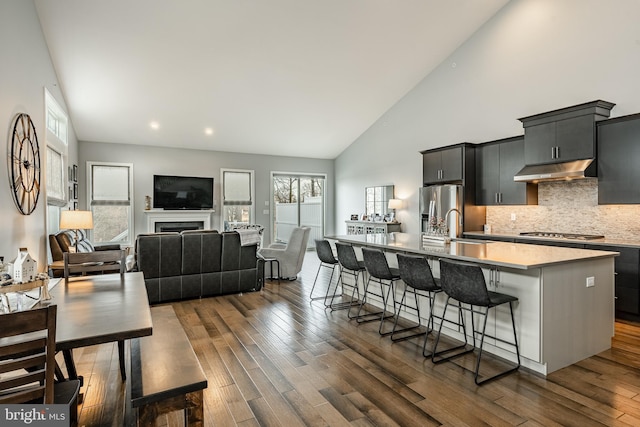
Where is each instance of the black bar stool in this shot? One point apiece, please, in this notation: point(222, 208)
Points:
point(379, 271)
point(327, 260)
point(350, 265)
point(465, 283)
point(416, 274)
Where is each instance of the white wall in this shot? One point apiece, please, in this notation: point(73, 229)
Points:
point(533, 56)
point(148, 161)
point(26, 70)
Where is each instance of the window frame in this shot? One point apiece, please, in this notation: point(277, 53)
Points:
point(90, 201)
point(252, 202)
point(56, 140)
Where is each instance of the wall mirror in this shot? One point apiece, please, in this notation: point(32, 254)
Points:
point(377, 201)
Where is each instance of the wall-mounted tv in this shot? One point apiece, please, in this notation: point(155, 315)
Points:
point(182, 192)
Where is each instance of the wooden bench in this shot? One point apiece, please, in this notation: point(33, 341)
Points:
point(166, 375)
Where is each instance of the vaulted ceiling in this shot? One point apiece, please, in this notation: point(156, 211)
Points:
point(301, 78)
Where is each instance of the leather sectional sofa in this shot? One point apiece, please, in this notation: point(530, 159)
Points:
point(194, 264)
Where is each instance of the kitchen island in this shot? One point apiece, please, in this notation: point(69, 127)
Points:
point(565, 308)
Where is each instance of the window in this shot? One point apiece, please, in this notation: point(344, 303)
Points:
point(237, 197)
point(55, 177)
point(55, 161)
point(298, 200)
point(110, 195)
point(56, 153)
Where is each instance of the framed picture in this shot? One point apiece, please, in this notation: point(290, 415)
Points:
point(74, 173)
point(354, 217)
point(75, 206)
point(75, 190)
point(364, 217)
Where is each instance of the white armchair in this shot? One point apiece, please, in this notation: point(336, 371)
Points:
point(291, 255)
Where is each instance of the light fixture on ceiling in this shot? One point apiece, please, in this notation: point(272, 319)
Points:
point(154, 125)
point(208, 131)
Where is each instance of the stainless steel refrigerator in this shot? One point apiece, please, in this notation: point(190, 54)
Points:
point(436, 201)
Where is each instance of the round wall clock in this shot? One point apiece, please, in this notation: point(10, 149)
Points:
point(24, 164)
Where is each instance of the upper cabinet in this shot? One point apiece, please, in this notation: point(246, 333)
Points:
point(443, 165)
point(496, 164)
point(618, 159)
point(563, 135)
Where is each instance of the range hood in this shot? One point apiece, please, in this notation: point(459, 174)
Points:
point(557, 171)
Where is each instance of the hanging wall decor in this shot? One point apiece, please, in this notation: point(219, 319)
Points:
point(24, 164)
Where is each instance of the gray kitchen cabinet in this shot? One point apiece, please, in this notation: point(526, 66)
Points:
point(627, 279)
point(442, 165)
point(496, 164)
point(563, 135)
point(618, 159)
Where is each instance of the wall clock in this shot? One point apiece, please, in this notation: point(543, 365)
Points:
point(24, 164)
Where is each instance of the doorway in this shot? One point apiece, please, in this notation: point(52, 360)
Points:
point(298, 201)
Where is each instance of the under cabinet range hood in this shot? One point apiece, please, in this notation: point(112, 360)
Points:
point(561, 144)
point(576, 169)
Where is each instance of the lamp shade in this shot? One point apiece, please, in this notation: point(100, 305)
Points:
point(76, 220)
point(395, 203)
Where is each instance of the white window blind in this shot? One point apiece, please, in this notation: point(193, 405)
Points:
point(237, 188)
point(55, 178)
point(110, 185)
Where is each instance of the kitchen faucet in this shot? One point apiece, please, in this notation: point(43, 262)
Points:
point(446, 217)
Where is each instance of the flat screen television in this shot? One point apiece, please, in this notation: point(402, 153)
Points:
point(182, 192)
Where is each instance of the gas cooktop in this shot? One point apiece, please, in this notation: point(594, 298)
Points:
point(556, 235)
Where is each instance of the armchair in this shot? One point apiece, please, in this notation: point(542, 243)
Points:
point(291, 255)
point(59, 245)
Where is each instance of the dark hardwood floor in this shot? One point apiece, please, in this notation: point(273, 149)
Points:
point(274, 358)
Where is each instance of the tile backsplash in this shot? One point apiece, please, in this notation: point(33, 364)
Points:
point(568, 207)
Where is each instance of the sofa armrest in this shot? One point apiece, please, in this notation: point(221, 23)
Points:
point(270, 252)
point(112, 247)
point(130, 263)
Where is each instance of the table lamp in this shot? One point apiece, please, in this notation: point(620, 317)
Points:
point(393, 205)
point(76, 220)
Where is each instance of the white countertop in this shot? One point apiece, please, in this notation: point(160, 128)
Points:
point(503, 254)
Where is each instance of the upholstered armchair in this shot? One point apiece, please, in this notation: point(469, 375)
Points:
point(291, 255)
point(59, 244)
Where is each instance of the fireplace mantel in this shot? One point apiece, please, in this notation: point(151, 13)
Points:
point(159, 215)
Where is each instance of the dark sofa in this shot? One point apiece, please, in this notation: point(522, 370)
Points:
point(194, 264)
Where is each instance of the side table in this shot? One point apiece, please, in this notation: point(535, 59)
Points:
point(261, 267)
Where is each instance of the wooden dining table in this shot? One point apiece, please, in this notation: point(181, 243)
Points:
point(97, 310)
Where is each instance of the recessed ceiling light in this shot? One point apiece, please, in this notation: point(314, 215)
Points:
point(208, 131)
point(154, 125)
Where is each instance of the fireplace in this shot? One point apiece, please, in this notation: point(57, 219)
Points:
point(178, 220)
point(178, 226)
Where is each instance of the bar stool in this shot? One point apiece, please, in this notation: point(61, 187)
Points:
point(327, 260)
point(416, 274)
point(379, 271)
point(350, 265)
point(465, 283)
